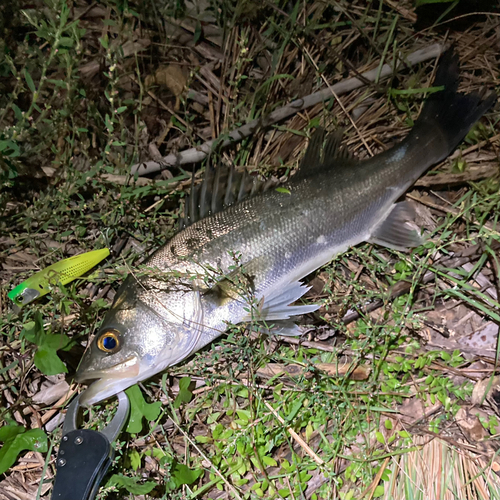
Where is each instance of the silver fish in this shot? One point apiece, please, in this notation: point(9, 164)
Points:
point(268, 241)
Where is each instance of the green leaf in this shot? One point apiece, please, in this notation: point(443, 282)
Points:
point(46, 358)
point(29, 80)
point(182, 474)
point(17, 111)
point(17, 439)
point(139, 409)
point(197, 33)
point(4, 145)
point(135, 459)
point(66, 42)
point(244, 415)
point(48, 362)
point(309, 431)
point(104, 41)
point(158, 453)
point(131, 484)
point(269, 461)
point(295, 409)
point(283, 190)
point(10, 147)
point(109, 123)
point(445, 356)
point(203, 439)
point(185, 393)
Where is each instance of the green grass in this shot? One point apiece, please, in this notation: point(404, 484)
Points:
point(62, 130)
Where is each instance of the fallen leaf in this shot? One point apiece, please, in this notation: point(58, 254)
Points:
point(487, 391)
point(49, 392)
point(173, 77)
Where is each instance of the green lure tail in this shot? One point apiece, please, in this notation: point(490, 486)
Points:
point(63, 272)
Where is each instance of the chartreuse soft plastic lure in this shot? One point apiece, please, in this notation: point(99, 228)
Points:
point(63, 272)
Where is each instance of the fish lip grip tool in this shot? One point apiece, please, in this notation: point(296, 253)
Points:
point(85, 455)
point(63, 272)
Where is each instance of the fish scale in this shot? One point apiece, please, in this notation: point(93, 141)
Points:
point(278, 236)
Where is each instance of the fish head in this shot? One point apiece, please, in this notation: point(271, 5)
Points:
point(147, 329)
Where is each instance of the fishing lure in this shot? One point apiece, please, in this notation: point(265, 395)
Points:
point(63, 272)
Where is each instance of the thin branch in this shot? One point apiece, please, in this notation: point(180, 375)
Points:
point(295, 436)
point(195, 155)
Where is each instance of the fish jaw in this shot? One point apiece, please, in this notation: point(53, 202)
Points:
point(109, 381)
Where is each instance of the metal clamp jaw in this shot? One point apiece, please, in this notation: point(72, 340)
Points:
point(85, 455)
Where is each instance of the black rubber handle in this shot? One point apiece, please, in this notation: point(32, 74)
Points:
point(83, 459)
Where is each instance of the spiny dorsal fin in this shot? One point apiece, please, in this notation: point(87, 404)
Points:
point(224, 186)
point(324, 151)
point(221, 187)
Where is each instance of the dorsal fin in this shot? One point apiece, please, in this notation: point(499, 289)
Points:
point(221, 188)
point(224, 186)
point(324, 151)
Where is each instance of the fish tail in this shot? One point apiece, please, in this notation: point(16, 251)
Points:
point(447, 115)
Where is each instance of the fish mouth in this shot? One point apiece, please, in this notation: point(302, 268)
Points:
point(108, 382)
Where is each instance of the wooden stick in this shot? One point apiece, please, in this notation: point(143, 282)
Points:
point(195, 155)
point(295, 436)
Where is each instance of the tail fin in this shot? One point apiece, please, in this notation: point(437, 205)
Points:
point(448, 112)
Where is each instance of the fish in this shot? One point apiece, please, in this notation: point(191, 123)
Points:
point(245, 247)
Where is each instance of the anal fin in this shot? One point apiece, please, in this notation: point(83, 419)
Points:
point(283, 328)
point(395, 231)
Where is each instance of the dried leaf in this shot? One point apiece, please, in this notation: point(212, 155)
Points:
point(172, 77)
point(49, 392)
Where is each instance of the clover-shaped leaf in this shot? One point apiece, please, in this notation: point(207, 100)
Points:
point(139, 409)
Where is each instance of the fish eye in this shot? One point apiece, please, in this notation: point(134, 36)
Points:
point(109, 341)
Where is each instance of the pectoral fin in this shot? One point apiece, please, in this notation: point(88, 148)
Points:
point(276, 306)
point(396, 230)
